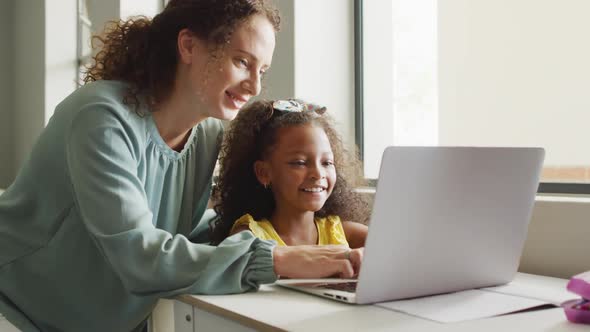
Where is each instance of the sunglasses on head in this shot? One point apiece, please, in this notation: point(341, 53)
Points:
point(292, 105)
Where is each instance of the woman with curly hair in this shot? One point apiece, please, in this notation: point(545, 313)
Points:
point(106, 215)
point(285, 176)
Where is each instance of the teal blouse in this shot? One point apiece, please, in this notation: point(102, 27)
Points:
point(104, 218)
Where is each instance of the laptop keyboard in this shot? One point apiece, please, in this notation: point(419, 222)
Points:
point(342, 286)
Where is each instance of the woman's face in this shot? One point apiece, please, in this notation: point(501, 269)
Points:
point(300, 169)
point(222, 81)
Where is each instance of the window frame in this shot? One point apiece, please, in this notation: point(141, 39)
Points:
point(83, 22)
point(544, 187)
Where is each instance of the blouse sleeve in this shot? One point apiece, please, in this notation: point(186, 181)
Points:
point(102, 157)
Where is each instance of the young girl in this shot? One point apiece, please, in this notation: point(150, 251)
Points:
point(285, 176)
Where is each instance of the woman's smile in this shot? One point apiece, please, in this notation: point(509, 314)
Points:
point(236, 101)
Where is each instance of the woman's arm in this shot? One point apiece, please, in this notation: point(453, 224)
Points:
point(316, 261)
point(102, 157)
point(355, 233)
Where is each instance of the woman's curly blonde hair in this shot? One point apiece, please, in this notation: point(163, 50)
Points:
point(143, 52)
point(250, 137)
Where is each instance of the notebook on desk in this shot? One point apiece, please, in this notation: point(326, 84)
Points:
point(444, 219)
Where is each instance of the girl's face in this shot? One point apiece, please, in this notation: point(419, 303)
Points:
point(223, 81)
point(300, 169)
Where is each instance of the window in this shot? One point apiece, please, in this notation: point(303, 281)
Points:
point(84, 48)
point(94, 14)
point(479, 73)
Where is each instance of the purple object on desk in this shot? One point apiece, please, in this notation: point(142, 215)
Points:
point(580, 284)
point(578, 311)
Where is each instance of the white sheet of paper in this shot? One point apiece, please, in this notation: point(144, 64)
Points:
point(524, 292)
point(550, 290)
point(461, 306)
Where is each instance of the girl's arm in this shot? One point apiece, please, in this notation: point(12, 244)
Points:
point(355, 233)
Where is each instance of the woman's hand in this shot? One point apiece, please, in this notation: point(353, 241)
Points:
point(355, 257)
point(317, 261)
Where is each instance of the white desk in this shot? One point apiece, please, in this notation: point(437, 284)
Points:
point(277, 309)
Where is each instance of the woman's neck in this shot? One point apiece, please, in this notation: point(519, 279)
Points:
point(175, 118)
point(295, 228)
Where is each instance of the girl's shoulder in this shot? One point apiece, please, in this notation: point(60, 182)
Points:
point(262, 229)
point(330, 230)
point(244, 220)
point(247, 220)
point(331, 220)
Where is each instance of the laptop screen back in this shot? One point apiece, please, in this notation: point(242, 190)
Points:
point(446, 219)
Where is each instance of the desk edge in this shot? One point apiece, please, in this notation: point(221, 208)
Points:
point(219, 311)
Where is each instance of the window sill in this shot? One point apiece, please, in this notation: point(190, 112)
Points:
point(563, 198)
point(541, 197)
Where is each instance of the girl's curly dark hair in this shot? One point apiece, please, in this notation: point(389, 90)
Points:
point(143, 52)
point(250, 137)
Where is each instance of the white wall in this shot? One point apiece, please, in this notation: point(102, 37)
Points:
point(6, 92)
point(523, 66)
point(147, 8)
point(557, 242)
point(102, 11)
point(44, 66)
point(279, 82)
point(314, 58)
point(324, 58)
point(29, 77)
point(378, 82)
point(520, 67)
point(61, 59)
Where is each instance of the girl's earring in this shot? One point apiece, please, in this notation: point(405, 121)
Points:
point(266, 186)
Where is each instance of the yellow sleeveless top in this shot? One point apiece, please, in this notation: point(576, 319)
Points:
point(330, 230)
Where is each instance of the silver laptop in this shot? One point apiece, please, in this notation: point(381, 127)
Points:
point(444, 219)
